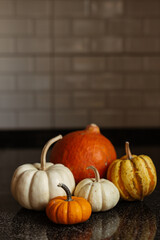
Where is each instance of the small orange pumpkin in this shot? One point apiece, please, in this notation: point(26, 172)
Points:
point(68, 210)
point(134, 176)
point(80, 149)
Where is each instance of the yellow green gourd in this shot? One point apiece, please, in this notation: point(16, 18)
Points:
point(134, 176)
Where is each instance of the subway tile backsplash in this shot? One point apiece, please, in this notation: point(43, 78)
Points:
point(67, 63)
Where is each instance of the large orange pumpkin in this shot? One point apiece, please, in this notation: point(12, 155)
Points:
point(80, 149)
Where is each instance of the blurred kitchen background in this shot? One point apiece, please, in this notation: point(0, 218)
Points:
point(67, 63)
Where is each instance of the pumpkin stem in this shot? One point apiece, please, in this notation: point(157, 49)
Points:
point(128, 152)
point(66, 189)
point(45, 149)
point(93, 128)
point(97, 176)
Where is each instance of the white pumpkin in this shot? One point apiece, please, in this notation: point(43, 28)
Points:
point(101, 193)
point(33, 185)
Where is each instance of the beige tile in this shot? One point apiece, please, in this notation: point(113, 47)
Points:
point(88, 27)
point(108, 118)
point(66, 63)
point(34, 82)
point(43, 64)
point(107, 44)
point(44, 100)
point(16, 27)
point(151, 64)
point(61, 64)
point(7, 45)
point(43, 27)
point(34, 119)
point(62, 100)
point(152, 99)
point(124, 99)
point(8, 120)
point(142, 81)
point(142, 45)
point(106, 81)
point(35, 45)
point(124, 63)
point(89, 64)
point(138, 8)
point(71, 45)
point(7, 8)
point(124, 27)
point(35, 9)
point(142, 118)
point(15, 101)
point(70, 8)
point(88, 100)
point(16, 64)
point(61, 27)
point(72, 81)
point(107, 8)
point(7, 83)
point(151, 27)
point(70, 119)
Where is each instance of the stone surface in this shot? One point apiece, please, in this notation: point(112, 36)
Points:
point(139, 220)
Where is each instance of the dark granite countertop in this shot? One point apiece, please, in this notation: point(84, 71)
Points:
point(127, 221)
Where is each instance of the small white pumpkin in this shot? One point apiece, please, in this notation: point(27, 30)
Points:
point(33, 185)
point(101, 193)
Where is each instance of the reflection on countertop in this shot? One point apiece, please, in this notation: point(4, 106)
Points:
point(127, 221)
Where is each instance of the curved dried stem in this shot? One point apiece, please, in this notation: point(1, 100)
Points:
point(97, 176)
point(66, 189)
point(45, 150)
